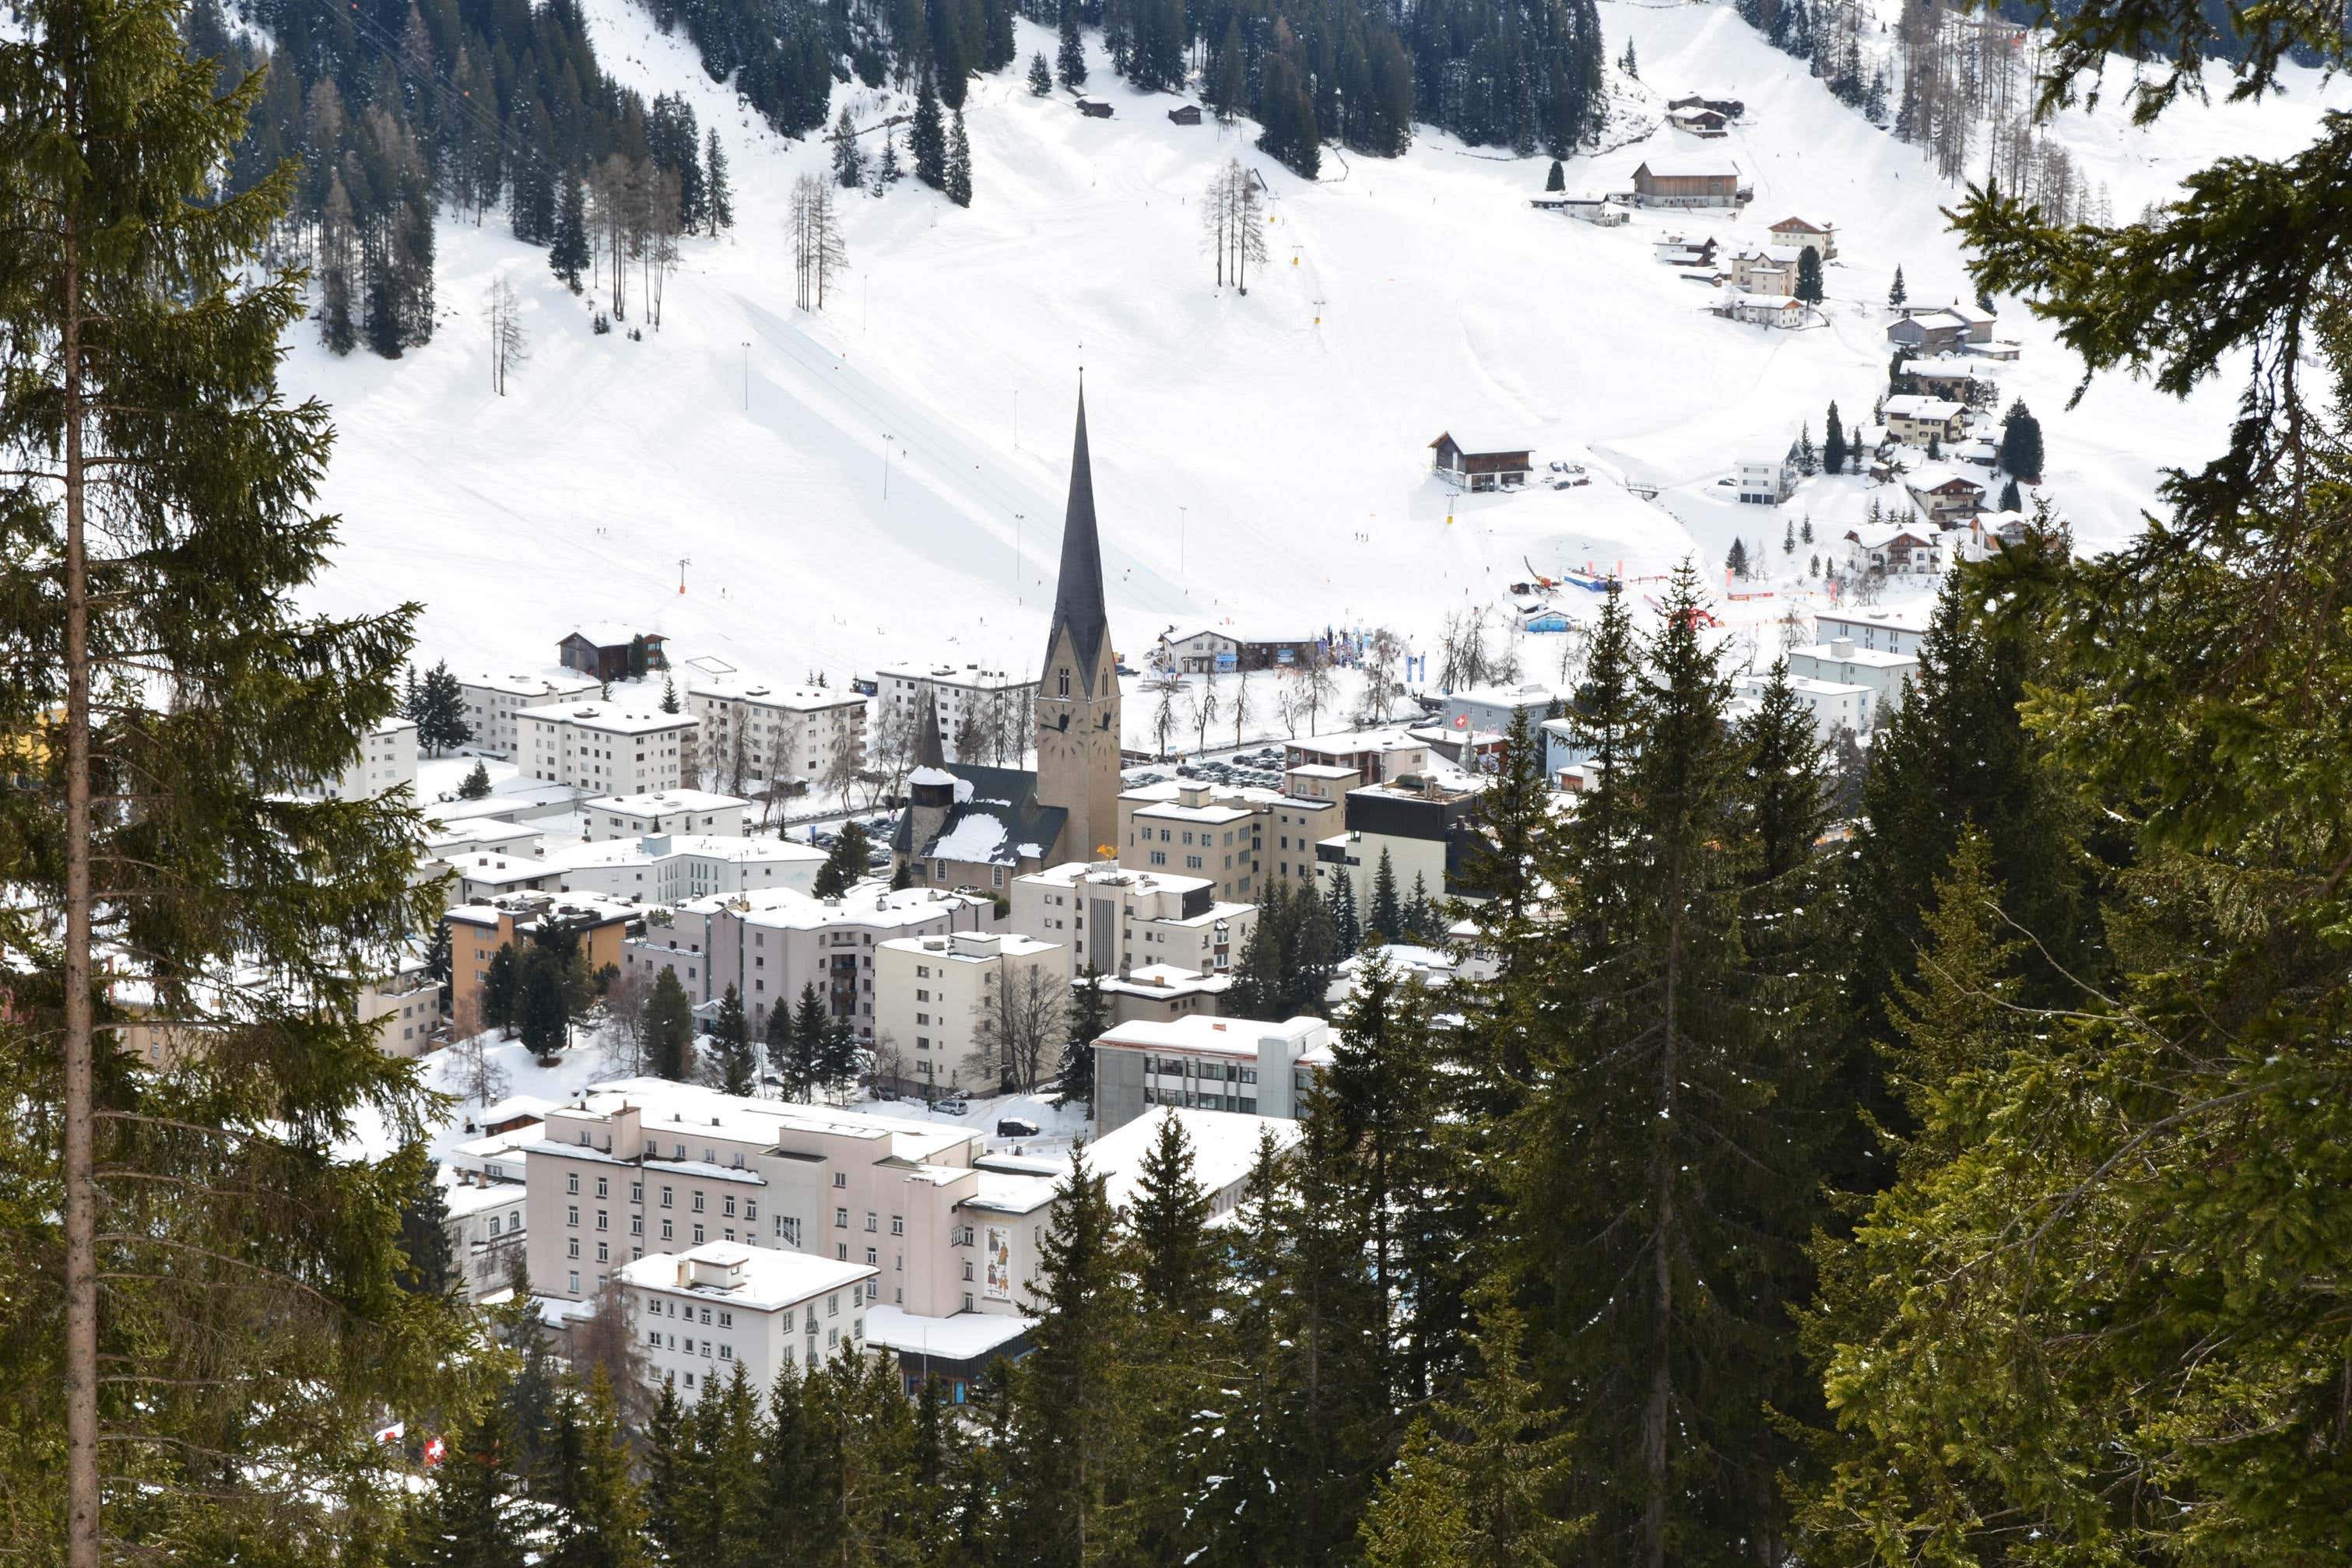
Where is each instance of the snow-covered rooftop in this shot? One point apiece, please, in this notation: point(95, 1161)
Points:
point(750, 1278)
point(966, 1336)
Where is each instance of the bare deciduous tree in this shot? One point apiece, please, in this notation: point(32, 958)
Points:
point(1016, 1027)
point(818, 252)
point(509, 344)
point(624, 1037)
point(841, 764)
point(1239, 706)
point(477, 1074)
point(1233, 225)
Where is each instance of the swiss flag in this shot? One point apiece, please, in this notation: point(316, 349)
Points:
point(433, 1452)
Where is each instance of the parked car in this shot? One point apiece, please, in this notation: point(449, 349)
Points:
point(1014, 1127)
point(1727, 481)
point(953, 1107)
point(1558, 466)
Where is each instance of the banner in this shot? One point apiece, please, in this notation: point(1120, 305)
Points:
point(999, 1284)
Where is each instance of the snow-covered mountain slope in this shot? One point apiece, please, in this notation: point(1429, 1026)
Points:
point(1260, 458)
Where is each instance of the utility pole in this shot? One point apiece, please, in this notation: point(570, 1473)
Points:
point(886, 465)
point(747, 375)
point(1017, 517)
point(683, 562)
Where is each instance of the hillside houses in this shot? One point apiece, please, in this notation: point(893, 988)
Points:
point(1766, 269)
point(1947, 498)
point(1916, 420)
point(1780, 311)
point(1684, 250)
point(1796, 234)
point(1482, 467)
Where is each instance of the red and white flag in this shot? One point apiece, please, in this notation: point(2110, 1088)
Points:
point(433, 1451)
point(394, 1433)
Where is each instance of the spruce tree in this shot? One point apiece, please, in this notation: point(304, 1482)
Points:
point(2011, 501)
point(841, 1059)
point(1385, 920)
point(1347, 925)
point(1896, 293)
point(476, 785)
point(1041, 75)
point(1557, 180)
point(670, 1474)
point(730, 1038)
point(1735, 559)
point(1809, 275)
point(811, 1023)
point(1420, 918)
point(669, 1029)
point(1087, 1019)
point(959, 167)
point(499, 990)
point(718, 192)
point(543, 1017)
point(568, 256)
point(1834, 443)
point(669, 702)
point(849, 162)
point(1240, 1436)
point(1072, 60)
point(1656, 1160)
point(845, 864)
point(928, 136)
point(1175, 1267)
point(1259, 977)
point(597, 1506)
point(2021, 444)
point(162, 540)
point(473, 1513)
point(429, 1268)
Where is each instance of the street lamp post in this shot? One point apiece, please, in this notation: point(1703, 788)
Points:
point(747, 375)
point(886, 465)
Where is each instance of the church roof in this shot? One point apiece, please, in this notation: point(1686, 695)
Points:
point(1078, 592)
point(927, 730)
point(998, 822)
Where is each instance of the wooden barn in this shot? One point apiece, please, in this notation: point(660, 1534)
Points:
point(1708, 183)
point(1490, 468)
point(1185, 114)
point(1094, 111)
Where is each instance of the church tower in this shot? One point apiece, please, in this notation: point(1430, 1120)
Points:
point(1078, 690)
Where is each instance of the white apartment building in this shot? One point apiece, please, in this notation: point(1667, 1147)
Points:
point(784, 732)
point(1492, 708)
point(660, 867)
point(1104, 916)
point(1833, 704)
point(1842, 663)
point(491, 702)
point(1881, 630)
point(670, 811)
point(644, 1166)
point(1765, 481)
point(699, 1314)
point(603, 747)
point(932, 993)
point(994, 700)
point(1225, 1151)
point(1207, 1065)
point(387, 761)
point(771, 942)
point(483, 1219)
point(1169, 826)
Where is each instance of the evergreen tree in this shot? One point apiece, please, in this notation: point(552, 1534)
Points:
point(730, 1040)
point(1292, 136)
point(1809, 275)
point(1041, 75)
point(1072, 1436)
point(849, 162)
point(1896, 294)
point(887, 169)
point(1482, 1479)
point(473, 1513)
point(839, 1062)
point(2021, 444)
point(810, 1025)
point(1557, 180)
point(844, 862)
point(1805, 530)
point(1239, 1439)
point(670, 1477)
point(500, 994)
point(928, 137)
point(568, 256)
point(1072, 60)
point(429, 1268)
point(2011, 501)
point(669, 702)
point(1175, 1266)
point(1087, 1019)
point(1834, 443)
point(597, 1517)
point(959, 167)
point(542, 1014)
point(476, 785)
point(718, 192)
point(1661, 1176)
point(1420, 918)
point(1259, 980)
point(1347, 927)
point(1386, 917)
point(669, 1029)
point(1735, 559)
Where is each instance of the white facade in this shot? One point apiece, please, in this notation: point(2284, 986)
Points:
point(1116, 920)
point(992, 699)
point(1917, 419)
point(1842, 663)
point(1491, 709)
point(1765, 482)
point(699, 1314)
point(491, 702)
point(1880, 631)
point(673, 811)
point(1833, 704)
point(387, 761)
point(931, 994)
point(1236, 1065)
point(784, 732)
point(603, 747)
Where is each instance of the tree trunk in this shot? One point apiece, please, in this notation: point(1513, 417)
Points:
point(79, 1159)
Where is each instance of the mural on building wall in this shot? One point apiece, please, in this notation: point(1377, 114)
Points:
point(999, 1285)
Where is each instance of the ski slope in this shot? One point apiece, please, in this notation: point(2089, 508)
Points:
point(1258, 459)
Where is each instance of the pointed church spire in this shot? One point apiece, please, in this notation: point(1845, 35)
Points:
point(1078, 592)
point(928, 753)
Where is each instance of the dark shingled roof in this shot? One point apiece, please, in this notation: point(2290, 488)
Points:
point(927, 736)
point(1078, 592)
point(1007, 794)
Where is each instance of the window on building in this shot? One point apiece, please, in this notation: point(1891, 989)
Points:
point(571, 1182)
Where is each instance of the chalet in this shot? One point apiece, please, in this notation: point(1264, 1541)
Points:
point(1094, 111)
point(1185, 114)
point(1701, 123)
point(1729, 107)
point(1936, 331)
point(1799, 234)
point(1597, 210)
point(1917, 419)
point(1679, 250)
point(1780, 311)
point(1894, 549)
point(1766, 269)
point(1503, 468)
point(1947, 498)
point(1709, 183)
point(1980, 321)
point(1952, 376)
point(612, 652)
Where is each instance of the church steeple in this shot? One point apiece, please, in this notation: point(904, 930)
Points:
point(1078, 590)
point(1078, 689)
point(928, 751)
